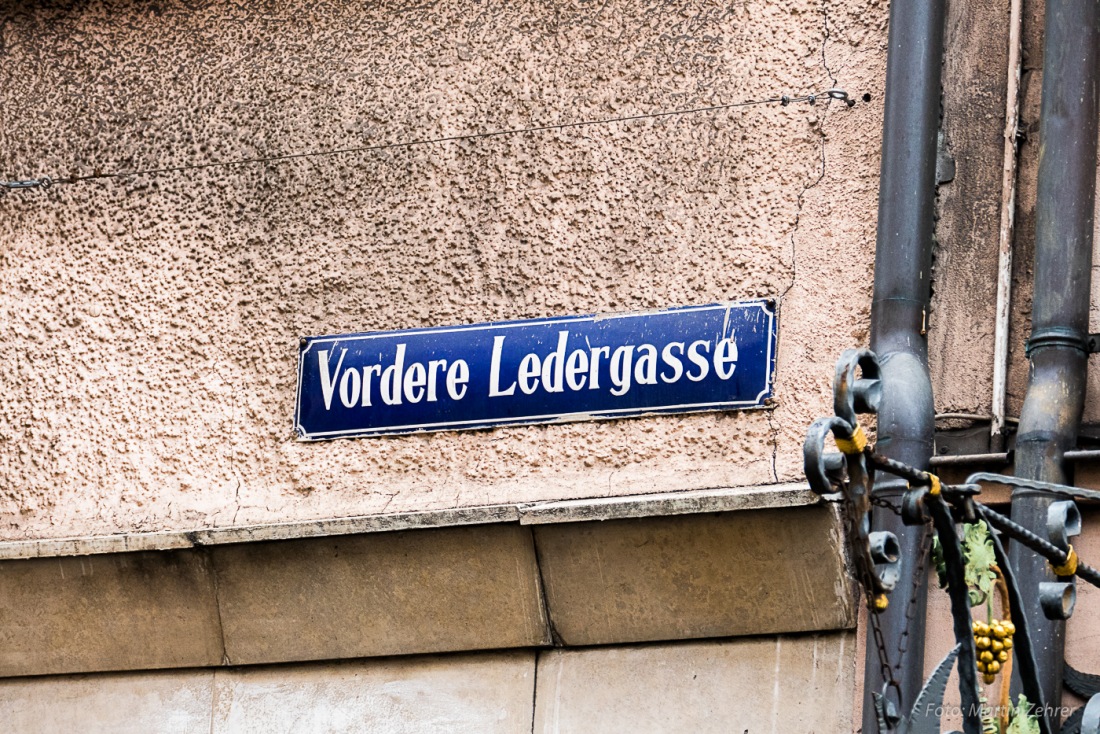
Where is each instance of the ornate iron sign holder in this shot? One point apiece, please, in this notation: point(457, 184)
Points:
point(849, 476)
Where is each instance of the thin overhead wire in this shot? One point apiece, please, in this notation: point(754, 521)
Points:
point(47, 181)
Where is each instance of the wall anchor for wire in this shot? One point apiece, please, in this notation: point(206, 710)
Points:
point(30, 183)
point(837, 93)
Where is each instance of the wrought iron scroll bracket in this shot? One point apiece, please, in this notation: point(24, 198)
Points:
point(857, 389)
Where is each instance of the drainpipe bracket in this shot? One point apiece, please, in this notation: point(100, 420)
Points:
point(1063, 337)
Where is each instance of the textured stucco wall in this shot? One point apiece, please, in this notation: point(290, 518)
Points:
point(151, 323)
point(1024, 254)
point(962, 320)
point(962, 317)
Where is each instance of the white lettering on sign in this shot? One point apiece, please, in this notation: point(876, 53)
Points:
point(396, 383)
point(548, 370)
point(559, 371)
point(458, 374)
point(494, 371)
point(328, 381)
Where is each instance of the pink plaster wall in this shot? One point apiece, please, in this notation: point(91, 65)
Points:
point(151, 323)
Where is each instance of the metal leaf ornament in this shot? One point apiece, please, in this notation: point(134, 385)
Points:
point(1022, 721)
point(980, 559)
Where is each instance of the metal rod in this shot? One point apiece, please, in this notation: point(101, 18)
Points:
point(960, 612)
point(1007, 231)
point(1003, 458)
point(1027, 670)
point(973, 417)
point(964, 459)
point(903, 264)
point(1053, 404)
point(1059, 490)
point(1047, 550)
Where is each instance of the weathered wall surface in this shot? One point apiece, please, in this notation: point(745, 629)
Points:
point(961, 321)
point(781, 684)
point(490, 693)
point(1024, 262)
point(962, 318)
point(151, 322)
point(713, 686)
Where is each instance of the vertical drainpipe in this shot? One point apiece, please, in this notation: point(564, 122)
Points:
point(1058, 345)
point(903, 264)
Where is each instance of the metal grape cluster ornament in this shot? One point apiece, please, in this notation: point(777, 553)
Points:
point(971, 565)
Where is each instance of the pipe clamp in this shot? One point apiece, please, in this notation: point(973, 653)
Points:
point(1057, 336)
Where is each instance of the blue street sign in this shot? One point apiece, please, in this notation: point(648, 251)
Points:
point(569, 368)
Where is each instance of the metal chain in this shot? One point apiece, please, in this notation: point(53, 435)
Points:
point(911, 609)
point(885, 504)
point(885, 668)
point(918, 579)
point(883, 658)
point(912, 475)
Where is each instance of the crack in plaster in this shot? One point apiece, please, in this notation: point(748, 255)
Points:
point(820, 129)
point(775, 446)
point(213, 700)
point(555, 638)
point(796, 225)
point(825, 41)
point(208, 558)
point(794, 275)
point(535, 684)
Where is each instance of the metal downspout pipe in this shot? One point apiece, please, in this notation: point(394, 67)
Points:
point(903, 264)
point(1058, 347)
